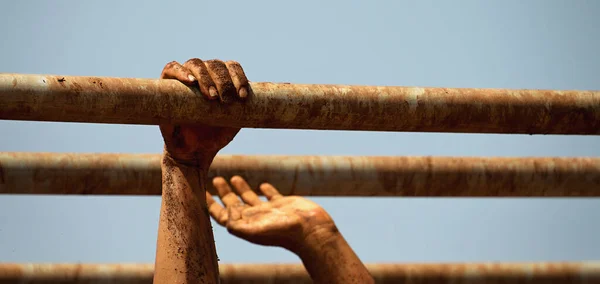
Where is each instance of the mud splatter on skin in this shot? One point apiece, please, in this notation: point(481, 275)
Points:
point(189, 241)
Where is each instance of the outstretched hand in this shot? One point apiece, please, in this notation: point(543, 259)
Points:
point(284, 221)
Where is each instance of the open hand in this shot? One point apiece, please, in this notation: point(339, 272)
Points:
point(197, 144)
point(284, 221)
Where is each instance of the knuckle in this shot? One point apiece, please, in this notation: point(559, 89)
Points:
point(236, 69)
point(217, 67)
point(215, 61)
point(171, 64)
point(234, 65)
point(193, 62)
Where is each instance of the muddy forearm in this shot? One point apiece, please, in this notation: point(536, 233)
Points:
point(328, 258)
point(185, 247)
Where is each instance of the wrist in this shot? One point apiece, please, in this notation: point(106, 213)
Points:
point(201, 161)
point(316, 239)
point(180, 179)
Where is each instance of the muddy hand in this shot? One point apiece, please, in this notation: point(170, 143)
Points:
point(197, 144)
point(283, 221)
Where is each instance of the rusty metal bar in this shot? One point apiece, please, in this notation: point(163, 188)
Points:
point(296, 106)
point(562, 272)
point(140, 174)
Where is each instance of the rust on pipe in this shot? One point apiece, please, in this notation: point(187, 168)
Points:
point(297, 106)
point(140, 174)
point(561, 272)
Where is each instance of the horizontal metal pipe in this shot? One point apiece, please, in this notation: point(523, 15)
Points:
point(582, 272)
point(296, 106)
point(140, 174)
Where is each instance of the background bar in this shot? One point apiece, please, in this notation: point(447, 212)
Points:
point(139, 174)
point(584, 272)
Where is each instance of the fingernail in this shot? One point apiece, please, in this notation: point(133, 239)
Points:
point(191, 77)
point(212, 91)
point(243, 93)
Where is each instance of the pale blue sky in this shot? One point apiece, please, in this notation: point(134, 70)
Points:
point(495, 44)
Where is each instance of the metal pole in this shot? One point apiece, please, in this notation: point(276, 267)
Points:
point(139, 174)
point(295, 106)
point(563, 272)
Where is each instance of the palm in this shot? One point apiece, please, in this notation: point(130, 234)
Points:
point(282, 221)
point(268, 218)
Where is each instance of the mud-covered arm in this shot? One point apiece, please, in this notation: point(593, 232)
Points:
point(291, 222)
point(328, 258)
point(185, 246)
point(185, 249)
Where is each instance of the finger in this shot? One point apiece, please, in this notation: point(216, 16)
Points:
point(248, 227)
point(242, 219)
point(228, 197)
point(205, 82)
point(243, 189)
point(270, 191)
point(220, 75)
point(216, 210)
point(174, 70)
point(239, 78)
point(235, 214)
